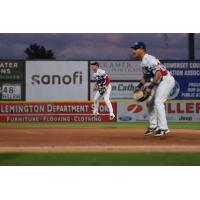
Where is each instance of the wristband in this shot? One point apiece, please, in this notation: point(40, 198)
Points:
point(151, 86)
point(140, 85)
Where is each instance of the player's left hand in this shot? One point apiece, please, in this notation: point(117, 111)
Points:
point(102, 90)
point(148, 90)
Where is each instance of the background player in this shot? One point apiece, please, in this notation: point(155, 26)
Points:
point(161, 83)
point(103, 88)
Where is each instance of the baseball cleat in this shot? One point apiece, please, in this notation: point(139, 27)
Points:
point(162, 132)
point(150, 131)
point(112, 116)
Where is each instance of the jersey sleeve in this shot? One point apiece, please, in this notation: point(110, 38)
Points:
point(151, 65)
point(158, 66)
point(154, 65)
point(107, 78)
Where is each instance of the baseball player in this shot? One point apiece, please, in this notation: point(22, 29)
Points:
point(161, 82)
point(103, 88)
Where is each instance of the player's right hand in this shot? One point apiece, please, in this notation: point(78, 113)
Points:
point(95, 87)
point(136, 89)
point(148, 90)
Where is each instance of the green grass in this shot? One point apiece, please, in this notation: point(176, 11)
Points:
point(179, 125)
point(100, 159)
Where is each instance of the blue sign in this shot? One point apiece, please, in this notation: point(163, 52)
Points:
point(187, 76)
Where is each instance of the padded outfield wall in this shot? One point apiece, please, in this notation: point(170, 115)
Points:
point(63, 81)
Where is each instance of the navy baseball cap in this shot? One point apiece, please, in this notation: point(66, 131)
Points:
point(139, 45)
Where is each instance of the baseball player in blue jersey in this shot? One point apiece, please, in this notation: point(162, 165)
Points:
point(161, 83)
point(103, 88)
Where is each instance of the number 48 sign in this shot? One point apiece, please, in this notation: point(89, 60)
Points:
point(11, 91)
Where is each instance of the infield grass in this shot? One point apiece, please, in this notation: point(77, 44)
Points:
point(100, 159)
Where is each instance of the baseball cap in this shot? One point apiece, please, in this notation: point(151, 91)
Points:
point(139, 45)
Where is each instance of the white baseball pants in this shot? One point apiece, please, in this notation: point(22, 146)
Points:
point(106, 98)
point(155, 103)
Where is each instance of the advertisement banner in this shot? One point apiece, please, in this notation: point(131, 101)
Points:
point(121, 70)
point(120, 90)
point(176, 111)
point(10, 91)
point(131, 111)
point(56, 80)
point(187, 76)
point(188, 111)
point(12, 70)
point(54, 112)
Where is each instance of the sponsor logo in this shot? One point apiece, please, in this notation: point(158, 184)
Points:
point(175, 91)
point(101, 109)
point(125, 118)
point(183, 118)
point(135, 108)
point(76, 78)
point(122, 87)
point(186, 107)
point(10, 65)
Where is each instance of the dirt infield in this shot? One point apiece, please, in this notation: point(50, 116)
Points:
point(62, 139)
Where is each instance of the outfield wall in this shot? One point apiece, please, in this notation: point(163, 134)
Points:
point(71, 81)
point(125, 111)
point(177, 111)
point(54, 112)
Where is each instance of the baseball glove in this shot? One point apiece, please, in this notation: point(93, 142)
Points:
point(102, 90)
point(140, 96)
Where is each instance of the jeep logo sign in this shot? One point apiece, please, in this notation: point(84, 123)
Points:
point(56, 80)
